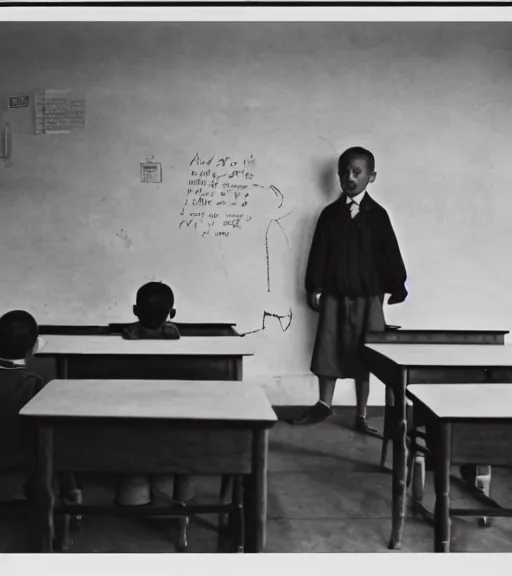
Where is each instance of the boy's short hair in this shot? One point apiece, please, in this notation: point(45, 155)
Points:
point(18, 334)
point(358, 152)
point(155, 300)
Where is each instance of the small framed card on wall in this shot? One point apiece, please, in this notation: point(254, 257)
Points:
point(151, 172)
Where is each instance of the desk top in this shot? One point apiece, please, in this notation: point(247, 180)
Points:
point(455, 401)
point(66, 345)
point(152, 399)
point(446, 355)
point(178, 323)
point(458, 331)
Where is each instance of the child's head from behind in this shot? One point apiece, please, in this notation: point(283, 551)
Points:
point(356, 169)
point(18, 335)
point(155, 304)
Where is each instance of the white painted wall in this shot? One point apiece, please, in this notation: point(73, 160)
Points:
point(432, 101)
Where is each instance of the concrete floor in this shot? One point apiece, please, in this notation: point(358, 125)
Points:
point(326, 494)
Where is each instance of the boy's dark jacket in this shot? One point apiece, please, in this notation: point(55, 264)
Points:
point(379, 261)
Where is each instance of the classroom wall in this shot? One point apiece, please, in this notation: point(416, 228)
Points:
point(79, 231)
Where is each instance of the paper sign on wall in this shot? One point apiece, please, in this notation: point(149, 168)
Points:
point(19, 101)
point(56, 112)
point(151, 172)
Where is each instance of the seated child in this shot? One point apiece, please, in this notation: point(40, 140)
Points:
point(19, 335)
point(154, 305)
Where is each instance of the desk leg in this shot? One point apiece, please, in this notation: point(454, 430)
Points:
point(63, 374)
point(238, 368)
point(62, 368)
point(226, 488)
point(255, 495)
point(442, 486)
point(483, 482)
point(226, 495)
point(44, 498)
point(399, 462)
point(238, 524)
point(387, 432)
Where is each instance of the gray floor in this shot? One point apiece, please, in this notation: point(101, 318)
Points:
point(326, 494)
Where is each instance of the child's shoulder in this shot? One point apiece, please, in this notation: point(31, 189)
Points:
point(170, 331)
point(374, 205)
point(33, 382)
point(136, 331)
point(332, 208)
point(131, 331)
point(21, 381)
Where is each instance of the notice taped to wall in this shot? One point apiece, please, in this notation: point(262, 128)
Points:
point(58, 112)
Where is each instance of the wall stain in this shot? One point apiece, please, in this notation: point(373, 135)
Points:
point(124, 237)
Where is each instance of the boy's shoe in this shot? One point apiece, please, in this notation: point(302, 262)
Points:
point(361, 425)
point(319, 412)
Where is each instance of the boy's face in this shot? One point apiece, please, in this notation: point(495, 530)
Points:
point(356, 176)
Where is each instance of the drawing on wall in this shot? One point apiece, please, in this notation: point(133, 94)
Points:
point(285, 321)
point(151, 171)
point(217, 204)
point(277, 222)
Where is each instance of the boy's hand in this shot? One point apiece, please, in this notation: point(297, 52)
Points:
point(398, 297)
point(314, 300)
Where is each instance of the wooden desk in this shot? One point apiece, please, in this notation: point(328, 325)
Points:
point(473, 424)
point(81, 330)
point(399, 365)
point(185, 328)
point(425, 336)
point(194, 358)
point(193, 328)
point(420, 336)
point(150, 426)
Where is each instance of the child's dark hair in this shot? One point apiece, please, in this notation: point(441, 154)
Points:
point(155, 301)
point(356, 152)
point(18, 334)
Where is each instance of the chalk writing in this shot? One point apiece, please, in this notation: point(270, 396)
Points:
point(218, 194)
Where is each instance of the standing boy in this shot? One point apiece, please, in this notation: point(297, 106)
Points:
point(354, 261)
